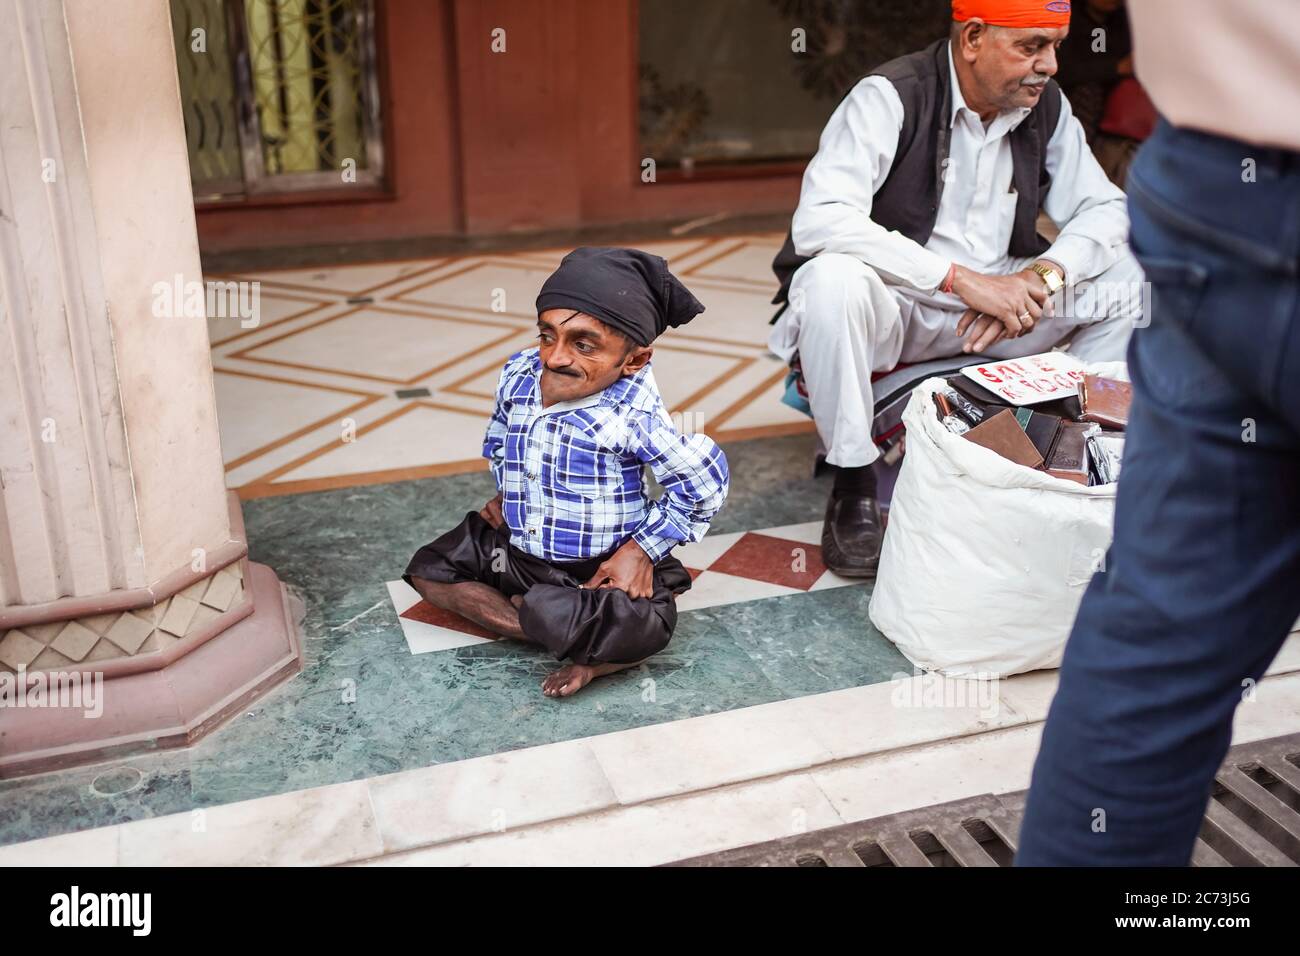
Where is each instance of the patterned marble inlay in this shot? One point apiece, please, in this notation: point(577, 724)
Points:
point(103, 637)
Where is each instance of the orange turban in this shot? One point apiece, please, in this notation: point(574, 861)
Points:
point(1015, 13)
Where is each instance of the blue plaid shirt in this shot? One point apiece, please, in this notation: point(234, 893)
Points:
point(571, 474)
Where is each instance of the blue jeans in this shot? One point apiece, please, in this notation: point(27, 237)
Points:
point(1202, 581)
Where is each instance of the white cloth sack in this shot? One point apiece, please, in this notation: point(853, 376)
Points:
point(984, 561)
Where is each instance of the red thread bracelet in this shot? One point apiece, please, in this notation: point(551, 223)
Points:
point(946, 285)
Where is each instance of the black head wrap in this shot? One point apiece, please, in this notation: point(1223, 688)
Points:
point(630, 290)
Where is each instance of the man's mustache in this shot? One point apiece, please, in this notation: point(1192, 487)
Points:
point(1037, 81)
point(558, 371)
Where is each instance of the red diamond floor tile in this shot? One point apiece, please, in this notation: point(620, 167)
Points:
point(792, 564)
point(426, 613)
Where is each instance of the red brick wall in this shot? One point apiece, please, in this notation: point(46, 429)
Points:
point(542, 136)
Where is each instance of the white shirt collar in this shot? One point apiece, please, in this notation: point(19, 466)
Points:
point(1013, 117)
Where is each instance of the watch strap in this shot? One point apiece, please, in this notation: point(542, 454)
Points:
point(1049, 276)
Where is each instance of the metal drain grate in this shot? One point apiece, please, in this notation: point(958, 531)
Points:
point(1253, 819)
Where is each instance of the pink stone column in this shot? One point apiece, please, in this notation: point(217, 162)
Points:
point(123, 564)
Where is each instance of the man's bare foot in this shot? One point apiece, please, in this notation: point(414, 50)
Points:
point(571, 678)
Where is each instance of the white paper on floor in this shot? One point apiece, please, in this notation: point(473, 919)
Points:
point(422, 637)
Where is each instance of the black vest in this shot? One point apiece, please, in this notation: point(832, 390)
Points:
point(908, 200)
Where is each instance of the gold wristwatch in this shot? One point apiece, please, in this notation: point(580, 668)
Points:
point(1054, 282)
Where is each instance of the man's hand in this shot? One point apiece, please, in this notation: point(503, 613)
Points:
point(1016, 300)
point(984, 331)
point(491, 512)
point(628, 569)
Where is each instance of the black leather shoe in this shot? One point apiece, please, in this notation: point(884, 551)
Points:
point(852, 535)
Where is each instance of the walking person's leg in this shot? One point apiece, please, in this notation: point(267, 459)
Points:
point(1199, 588)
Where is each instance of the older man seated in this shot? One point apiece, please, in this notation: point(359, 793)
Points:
point(915, 237)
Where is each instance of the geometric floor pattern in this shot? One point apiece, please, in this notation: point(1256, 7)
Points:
point(361, 374)
point(725, 569)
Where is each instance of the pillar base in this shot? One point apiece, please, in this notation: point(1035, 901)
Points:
point(172, 706)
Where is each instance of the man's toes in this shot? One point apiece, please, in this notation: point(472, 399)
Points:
point(554, 681)
point(565, 682)
point(576, 680)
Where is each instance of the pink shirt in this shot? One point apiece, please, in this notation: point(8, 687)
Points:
point(1230, 67)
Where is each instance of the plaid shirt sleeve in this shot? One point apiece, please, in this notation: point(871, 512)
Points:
point(494, 442)
point(693, 472)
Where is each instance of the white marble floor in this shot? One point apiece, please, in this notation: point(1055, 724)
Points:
point(653, 794)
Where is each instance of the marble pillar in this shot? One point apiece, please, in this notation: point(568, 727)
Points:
point(122, 559)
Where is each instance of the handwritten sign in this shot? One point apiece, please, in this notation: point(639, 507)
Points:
point(1029, 380)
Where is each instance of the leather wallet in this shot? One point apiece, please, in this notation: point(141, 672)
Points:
point(1041, 428)
point(1068, 407)
point(1105, 401)
point(1002, 433)
point(975, 392)
point(1068, 457)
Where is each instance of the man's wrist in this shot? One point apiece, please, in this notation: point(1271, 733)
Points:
point(958, 280)
point(652, 545)
point(1053, 265)
point(946, 285)
point(1052, 274)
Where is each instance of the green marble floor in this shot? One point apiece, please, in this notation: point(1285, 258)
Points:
point(364, 705)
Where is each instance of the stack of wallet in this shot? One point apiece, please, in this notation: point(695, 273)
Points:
point(1079, 438)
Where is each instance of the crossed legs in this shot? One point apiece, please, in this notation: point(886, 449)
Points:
point(492, 610)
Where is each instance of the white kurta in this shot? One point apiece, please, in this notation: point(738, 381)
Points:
point(870, 298)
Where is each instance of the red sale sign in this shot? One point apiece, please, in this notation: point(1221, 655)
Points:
point(1032, 379)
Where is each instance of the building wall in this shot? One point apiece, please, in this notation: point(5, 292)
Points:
point(423, 171)
point(541, 136)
